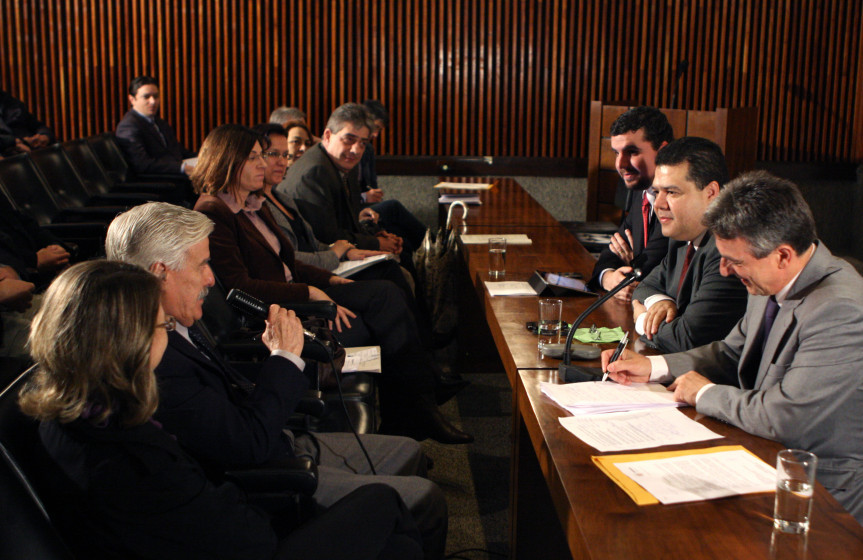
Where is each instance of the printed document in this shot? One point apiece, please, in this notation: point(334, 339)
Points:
point(596, 397)
point(509, 289)
point(640, 429)
point(464, 186)
point(706, 476)
point(362, 358)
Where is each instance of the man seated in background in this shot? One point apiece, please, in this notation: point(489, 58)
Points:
point(324, 184)
point(20, 130)
point(790, 369)
point(149, 142)
point(391, 214)
point(31, 257)
point(285, 116)
point(636, 137)
point(686, 301)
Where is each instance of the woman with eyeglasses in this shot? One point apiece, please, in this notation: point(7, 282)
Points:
point(249, 252)
point(128, 489)
point(278, 155)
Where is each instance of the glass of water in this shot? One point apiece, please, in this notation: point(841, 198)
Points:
point(795, 482)
point(496, 257)
point(548, 328)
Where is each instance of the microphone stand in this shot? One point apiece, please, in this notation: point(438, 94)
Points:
point(569, 373)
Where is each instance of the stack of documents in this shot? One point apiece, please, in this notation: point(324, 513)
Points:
point(597, 397)
point(639, 429)
point(481, 238)
point(510, 289)
point(464, 186)
point(466, 198)
point(691, 475)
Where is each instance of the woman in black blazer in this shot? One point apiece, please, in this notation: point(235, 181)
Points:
point(134, 493)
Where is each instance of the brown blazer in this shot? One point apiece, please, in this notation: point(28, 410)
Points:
point(242, 258)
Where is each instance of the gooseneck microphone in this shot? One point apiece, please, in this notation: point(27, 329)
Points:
point(569, 373)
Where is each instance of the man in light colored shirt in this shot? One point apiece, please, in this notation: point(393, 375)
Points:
point(789, 370)
point(686, 301)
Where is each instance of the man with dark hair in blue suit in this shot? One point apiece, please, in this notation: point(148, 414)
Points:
point(149, 142)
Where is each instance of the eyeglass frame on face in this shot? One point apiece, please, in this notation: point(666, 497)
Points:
point(170, 324)
point(284, 155)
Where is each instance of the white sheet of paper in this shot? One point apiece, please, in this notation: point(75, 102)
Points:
point(510, 289)
point(464, 186)
point(346, 268)
point(466, 198)
point(693, 478)
point(640, 429)
point(482, 238)
point(362, 358)
point(596, 397)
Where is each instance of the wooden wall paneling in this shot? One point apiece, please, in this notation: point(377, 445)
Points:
point(508, 78)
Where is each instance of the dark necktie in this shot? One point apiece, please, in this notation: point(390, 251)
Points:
point(232, 375)
point(750, 373)
point(687, 260)
point(645, 215)
point(159, 132)
point(769, 317)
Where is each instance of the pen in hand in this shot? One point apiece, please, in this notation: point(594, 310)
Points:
point(617, 352)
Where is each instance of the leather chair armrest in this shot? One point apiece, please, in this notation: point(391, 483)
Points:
point(286, 474)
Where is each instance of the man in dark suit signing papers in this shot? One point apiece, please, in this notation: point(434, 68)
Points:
point(223, 419)
point(790, 369)
point(149, 142)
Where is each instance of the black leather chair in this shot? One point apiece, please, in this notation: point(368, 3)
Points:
point(114, 161)
point(67, 185)
point(35, 519)
point(82, 240)
point(27, 188)
point(239, 339)
point(98, 181)
point(27, 528)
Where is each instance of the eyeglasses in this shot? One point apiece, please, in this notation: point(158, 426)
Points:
point(169, 325)
point(254, 156)
point(283, 155)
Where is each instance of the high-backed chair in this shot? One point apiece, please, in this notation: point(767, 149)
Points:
point(114, 161)
point(27, 188)
point(97, 180)
point(27, 530)
point(729, 128)
point(68, 186)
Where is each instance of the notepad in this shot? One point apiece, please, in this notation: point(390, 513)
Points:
point(509, 289)
point(349, 268)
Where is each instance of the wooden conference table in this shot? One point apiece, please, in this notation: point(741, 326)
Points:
point(561, 505)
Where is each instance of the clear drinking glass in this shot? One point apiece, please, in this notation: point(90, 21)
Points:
point(795, 482)
point(496, 257)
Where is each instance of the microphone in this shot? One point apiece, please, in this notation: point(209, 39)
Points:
point(253, 307)
point(569, 373)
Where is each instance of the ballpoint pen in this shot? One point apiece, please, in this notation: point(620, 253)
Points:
point(617, 352)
